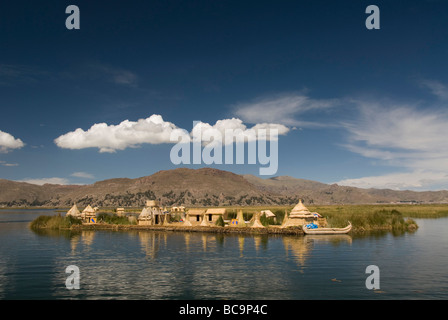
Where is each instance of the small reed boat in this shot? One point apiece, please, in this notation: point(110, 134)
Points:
point(327, 230)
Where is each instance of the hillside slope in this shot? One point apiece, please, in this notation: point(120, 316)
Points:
point(202, 187)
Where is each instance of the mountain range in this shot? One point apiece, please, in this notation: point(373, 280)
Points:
point(203, 187)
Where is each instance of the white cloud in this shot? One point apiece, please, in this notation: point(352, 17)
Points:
point(414, 180)
point(43, 181)
point(440, 90)
point(412, 139)
point(154, 130)
point(82, 175)
point(127, 134)
point(236, 131)
point(8, 142)
point(283, 109)
point(113, 74)
point(6, 164)
point(400, 127)
point(15, 74)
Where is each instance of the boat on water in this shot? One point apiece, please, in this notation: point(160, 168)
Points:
point(309, 230)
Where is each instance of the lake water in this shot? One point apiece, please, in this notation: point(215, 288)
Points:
point(175, 266)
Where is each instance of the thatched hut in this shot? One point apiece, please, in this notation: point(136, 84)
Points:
point(152, 214)
point(74, 212)
point(298, 216)
point(89, 214)
point(145, 217)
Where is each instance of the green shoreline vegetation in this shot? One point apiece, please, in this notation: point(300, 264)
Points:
point(363, 217)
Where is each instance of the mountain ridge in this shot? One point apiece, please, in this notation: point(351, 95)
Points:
point(203, 187)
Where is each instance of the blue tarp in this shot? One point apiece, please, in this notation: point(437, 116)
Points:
point(311, 226)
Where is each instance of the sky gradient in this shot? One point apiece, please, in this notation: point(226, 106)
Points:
point(359, 107)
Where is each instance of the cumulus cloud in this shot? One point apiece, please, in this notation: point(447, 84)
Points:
point(283, 109)
point(8, 142)
point(127, 134)
point(234, 131)
point(154, 130)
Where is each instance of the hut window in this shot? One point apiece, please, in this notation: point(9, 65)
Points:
point(209, 217)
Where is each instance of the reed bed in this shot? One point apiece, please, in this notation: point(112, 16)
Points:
point(54, 222)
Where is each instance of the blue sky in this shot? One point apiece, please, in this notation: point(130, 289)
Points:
point(361, 107)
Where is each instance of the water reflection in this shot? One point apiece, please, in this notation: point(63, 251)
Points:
point(336, 239)
point(261, 241)
point(299, 248)
point(184, 265)
point(81, 237)
point(149, 243)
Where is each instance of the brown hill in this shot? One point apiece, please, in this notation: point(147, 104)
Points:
point(202, 187)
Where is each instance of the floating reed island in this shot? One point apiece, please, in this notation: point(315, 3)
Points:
point(223, 220)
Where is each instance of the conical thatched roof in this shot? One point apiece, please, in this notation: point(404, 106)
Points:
point(240, 219)
point(257, 223)
point(74, 211)
point(300, 207)
point(145, 214)
point(187, 221)
point(166, 220)
point(300, 210)
point(204, 222)
point(88, 210)
point(285, 220)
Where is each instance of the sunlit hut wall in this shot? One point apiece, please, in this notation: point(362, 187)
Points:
point(195, 216)
point(212, 215)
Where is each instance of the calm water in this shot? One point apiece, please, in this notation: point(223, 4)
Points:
point(156, 265)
